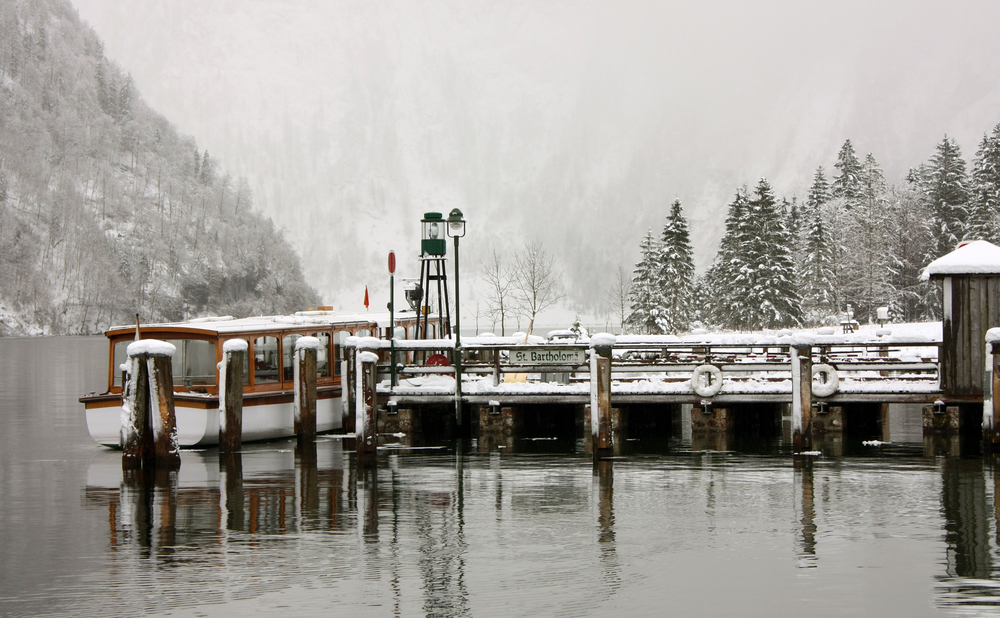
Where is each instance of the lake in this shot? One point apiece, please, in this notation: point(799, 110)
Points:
point(909, 528)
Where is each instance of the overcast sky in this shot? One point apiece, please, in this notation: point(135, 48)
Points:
point(577, 122)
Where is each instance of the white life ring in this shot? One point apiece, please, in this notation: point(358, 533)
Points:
point(706, 380)
point(829, 385)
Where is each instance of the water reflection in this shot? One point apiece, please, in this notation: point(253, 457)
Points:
point(610, 566)
point(807, 541)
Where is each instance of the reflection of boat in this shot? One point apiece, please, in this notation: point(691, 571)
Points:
point(268, 396)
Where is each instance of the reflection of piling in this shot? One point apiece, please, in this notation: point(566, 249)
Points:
point(305, 388)
point(231, 465)
point(234, 353)
point(801, 397)
point(365, 422)
point(305, 459)
point(600, 393)
point(149, 427)
point(804, 470)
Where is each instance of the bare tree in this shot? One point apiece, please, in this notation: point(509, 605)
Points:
point(500, 281)
point(536, 283)
point(618, 295)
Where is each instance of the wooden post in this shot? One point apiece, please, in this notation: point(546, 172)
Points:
point(234, 353)
point(304, 373)
point(600, 393)
point(801, 397)
point(365, 425)
point(991, 384)
point(348, 384)
point(149, 427)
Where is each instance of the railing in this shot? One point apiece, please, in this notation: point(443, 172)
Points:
point(673, 367)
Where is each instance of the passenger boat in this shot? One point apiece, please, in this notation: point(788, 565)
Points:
point(268, 396)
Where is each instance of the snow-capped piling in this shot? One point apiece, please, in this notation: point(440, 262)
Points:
point(148, 424)
point(801, 356)
point(600, 393)
point(234, 352)
point(365, 425)
point(991, 403)
point(306, 349)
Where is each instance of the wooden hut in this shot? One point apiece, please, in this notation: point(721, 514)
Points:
point(970, 285)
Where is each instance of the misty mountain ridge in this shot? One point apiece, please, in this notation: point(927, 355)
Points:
point(105, 209)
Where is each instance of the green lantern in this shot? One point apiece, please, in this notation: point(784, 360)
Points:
point(432, 241)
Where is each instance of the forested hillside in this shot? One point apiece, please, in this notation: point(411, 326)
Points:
point(105, 210)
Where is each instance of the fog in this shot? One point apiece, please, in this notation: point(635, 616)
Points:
point(576, 123)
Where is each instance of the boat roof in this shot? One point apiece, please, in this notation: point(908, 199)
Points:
point(226, 324)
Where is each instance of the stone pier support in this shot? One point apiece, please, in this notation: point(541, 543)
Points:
point(304, 373)
point(709, 419)
point(149, 427)
point(234, 358)
point(942, 420)
point(827, 419)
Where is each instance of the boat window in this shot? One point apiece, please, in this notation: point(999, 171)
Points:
point(338, 349)
point(193, 363)
point(265, 360)
point(121, 355)
point(363, 333)
point(323, 355)
point(288, 353)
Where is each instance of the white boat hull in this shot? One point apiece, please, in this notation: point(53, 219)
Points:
point(200, 426)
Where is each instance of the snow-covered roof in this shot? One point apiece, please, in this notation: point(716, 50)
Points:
point(302, 319)
point(975, 258)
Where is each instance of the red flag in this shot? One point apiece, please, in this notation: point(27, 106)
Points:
point(366, 298)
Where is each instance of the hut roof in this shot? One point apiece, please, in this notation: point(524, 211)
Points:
point(975, 258)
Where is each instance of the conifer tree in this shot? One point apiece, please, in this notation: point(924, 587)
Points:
point(867, 263)
point(645, 297)
point(985, 199)
point(819, 193)
point(816, 275)
point(847, 184)
point(676, 272)
point(722, 295)
point(946, 189)
point(773, 300)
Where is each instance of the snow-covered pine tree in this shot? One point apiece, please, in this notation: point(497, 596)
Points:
point(946, 188)
point(984, 204)
point(724, 284)
point(819, 193)
point(866, 259)
point(645, 296)
point(847, 184)
point(772, 299)
point(816, 275)
point(676, 272)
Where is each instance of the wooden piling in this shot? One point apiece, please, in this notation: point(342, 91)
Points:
point(991, 385)
point(304, 374)
point(234, 353)
point(801, 397)
point(365, 422)
point(149, 427)
point(348, 384)
point(600, 394)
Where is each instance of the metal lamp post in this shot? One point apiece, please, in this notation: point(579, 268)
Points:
point(456, 229)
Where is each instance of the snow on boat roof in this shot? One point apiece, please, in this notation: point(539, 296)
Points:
point(302, 319)
point(975, 258)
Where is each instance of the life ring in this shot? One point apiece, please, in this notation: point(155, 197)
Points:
point(829, 384)
point(706, 380)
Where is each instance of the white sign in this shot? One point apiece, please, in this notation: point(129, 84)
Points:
point(549, 356)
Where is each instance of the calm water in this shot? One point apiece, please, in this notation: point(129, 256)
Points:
point(906, 529)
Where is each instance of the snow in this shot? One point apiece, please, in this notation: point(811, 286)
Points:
point(152, 347)
point(367, 357)
point(602, 339)
point(235, 345)
point(307, 343)
point(975, 258)
point(993, 336)
point(367, 343)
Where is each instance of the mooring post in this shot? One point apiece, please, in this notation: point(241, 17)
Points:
point(149, 427)
point(348, 382)
point(304, 372)
point(991, 384)
point(234, 353)
point(600, 393)
point(365, 425)
point(801, 356)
